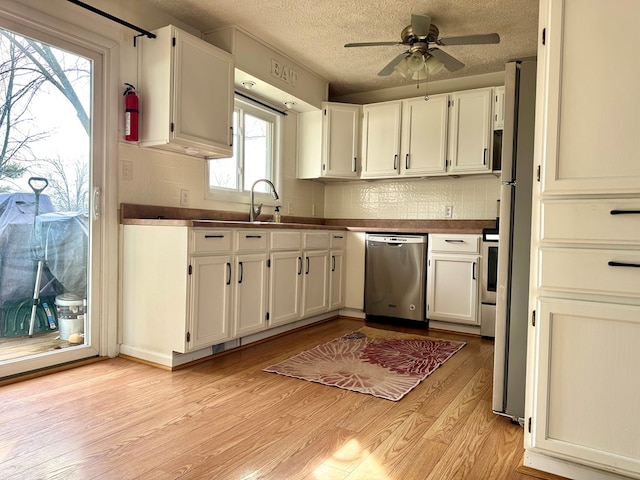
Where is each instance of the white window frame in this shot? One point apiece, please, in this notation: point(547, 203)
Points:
point(240, 195)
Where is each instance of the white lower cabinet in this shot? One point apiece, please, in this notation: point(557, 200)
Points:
point(185, 289)
point(286, 287)
point(453, 270)
point(250, 294)
point(452, 288)
point(336, 279)
point(315, 283)
point(210, 301)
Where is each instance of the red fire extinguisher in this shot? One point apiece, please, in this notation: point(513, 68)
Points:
point(131, 113)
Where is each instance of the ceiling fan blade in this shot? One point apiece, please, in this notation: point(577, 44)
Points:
point(420, 25)
point(447, 60)
point(372, 44)
point(470, 40)
point(388, 70)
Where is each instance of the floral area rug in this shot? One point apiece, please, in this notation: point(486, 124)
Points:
point(381, 363)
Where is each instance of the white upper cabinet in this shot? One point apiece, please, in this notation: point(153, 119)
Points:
point(470, 131)
point(498, 108)
point(592, 121)
point(329, 141)
point(186, 93)
point(424, 136)
point(381, 139)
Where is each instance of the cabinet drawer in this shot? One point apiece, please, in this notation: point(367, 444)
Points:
point(251, 240)
point(338, 239)
point(459, 243)
point(209, 240)
point(316, 240)
point(589, 271)
point(582, 221)
point(286, 240)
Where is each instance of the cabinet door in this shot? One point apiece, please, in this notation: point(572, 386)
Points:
point(452, 288)
point(341, 129)
point(498, 108)
point(250, 299)
point(586, 407)
point(590, 124)
point(210, 301)
point(203, 93)
point(470, 131)
point(336, 280)
point(315, 283)
point(285, 287)
point(381, 139)
point(424, 130)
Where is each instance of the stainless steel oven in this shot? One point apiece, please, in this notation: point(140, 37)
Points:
point(489, 282)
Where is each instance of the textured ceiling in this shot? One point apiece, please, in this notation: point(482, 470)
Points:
point(314, 32)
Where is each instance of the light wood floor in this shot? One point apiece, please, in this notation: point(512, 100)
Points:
point(226, 419)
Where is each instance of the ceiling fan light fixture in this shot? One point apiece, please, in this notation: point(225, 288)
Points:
point(415, 61)
point(402, 68)
point(433, 65)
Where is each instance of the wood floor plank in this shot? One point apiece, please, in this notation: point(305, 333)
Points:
point(225, 418)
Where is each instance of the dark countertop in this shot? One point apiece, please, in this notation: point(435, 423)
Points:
point(131, 214)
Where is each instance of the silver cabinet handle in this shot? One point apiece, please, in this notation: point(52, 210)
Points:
point(214, 236)
point(355, 161)
point(453, 241)
point(228, 273)
point(406, 161)
point(473, 272)
point(307, 272)
point(299, 265)
point(253, 236)
point(241, 272)
point(484, 157)
point(333, 266)
point(395, 161)
point(623, 264)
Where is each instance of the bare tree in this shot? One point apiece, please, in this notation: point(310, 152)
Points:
point(26, 66)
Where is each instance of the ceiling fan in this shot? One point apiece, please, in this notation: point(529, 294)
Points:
point(423, 55)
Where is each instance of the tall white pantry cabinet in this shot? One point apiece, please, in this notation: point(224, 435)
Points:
point(583, 380)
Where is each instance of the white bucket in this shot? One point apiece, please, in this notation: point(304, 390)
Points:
point(70, 310)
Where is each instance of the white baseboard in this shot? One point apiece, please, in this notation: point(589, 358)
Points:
point(567, 469)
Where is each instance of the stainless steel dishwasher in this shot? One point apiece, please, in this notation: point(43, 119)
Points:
point(395, 276)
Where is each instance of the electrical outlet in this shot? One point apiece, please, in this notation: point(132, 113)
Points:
point(184, 197)
point(126, 170)
point(448, 211)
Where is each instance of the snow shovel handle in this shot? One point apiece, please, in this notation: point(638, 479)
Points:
point(34, 187)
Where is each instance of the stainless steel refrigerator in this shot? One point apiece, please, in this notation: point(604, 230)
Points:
point(512, 314)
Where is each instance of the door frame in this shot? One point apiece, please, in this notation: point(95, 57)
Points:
point(103, 277)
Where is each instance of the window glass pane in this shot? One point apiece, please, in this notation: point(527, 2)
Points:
point(223, 173)
point(45, 159)
point(257, 152)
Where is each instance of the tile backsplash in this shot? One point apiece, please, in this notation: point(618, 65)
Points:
point(472, 197)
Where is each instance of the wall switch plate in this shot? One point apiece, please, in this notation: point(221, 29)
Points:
point(126, 170)
point(448, 211)
point(184, 197)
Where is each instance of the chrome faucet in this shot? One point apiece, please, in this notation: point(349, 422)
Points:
point(255, 211)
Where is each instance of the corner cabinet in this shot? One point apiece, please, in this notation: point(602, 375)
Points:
point(329, 142)
point(470, 131)
point(186, 95)
point(583, 388)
